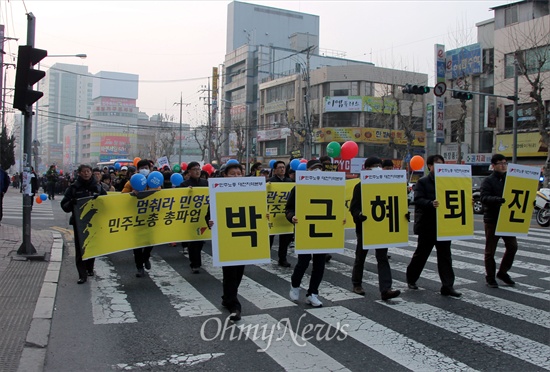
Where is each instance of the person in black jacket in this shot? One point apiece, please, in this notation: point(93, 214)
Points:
point(279, 169)
point(195, 247)
point(383, 265)
point(492, 188)
point(84, 186)
point(425, 226)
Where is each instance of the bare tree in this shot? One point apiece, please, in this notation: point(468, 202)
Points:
point(532, 55)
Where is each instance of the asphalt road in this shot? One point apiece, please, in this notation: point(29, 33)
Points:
point(173, 320)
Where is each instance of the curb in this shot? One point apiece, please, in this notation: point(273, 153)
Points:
point(34, 353)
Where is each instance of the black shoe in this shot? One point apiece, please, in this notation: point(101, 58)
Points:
point(235, 315)
point(147, 264)
point(225, 304)
point(357, 289)
point(412, 286)
point(90, 273)
point(450, 292)
point(492, 283)
point(506, 279)
point(195, 270)
point(82, 280)
point(328, 257)
point(284, 263)
point(389, 294)
point(140, 273)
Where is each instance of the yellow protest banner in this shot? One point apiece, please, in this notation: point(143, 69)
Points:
point(453, 190)
point(520, 191)
point(118, 222)
point(240, 234)
point(384, 203)
point(320, 210)
point(350, 184)
point(277, 195)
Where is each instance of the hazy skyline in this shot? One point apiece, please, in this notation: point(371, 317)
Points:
point(173, 45)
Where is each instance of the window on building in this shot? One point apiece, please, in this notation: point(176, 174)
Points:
point(340, 92)
point(511, 15)
point(526, 116)
point(341, 119)
point(531, 58)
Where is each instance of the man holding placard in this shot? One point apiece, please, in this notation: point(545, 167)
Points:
point(425, 226)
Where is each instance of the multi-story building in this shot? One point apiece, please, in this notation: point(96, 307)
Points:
point(67, 99)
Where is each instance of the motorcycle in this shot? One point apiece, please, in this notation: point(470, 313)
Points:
point(542, 207)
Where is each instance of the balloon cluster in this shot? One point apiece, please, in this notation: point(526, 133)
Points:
point(347, 151)
point(40, 198)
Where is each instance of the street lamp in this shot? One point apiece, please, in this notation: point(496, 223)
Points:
point(35, 130)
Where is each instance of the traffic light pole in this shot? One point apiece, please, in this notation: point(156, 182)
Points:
point(27, 249)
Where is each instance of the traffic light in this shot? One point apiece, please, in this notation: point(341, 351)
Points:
point(416, 89)
point(26, 77)
point(462, 95)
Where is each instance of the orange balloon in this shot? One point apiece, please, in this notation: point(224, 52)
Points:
point(417, 163)
point(38, 200)
point(136, 160)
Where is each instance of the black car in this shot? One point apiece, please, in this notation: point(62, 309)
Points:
point(476, 193)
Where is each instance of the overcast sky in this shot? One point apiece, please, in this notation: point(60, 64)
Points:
point(173, 45)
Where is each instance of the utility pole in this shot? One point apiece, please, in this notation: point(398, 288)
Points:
point(180, 103)
point(209, 124)
point(308, 139)
point(515, 121)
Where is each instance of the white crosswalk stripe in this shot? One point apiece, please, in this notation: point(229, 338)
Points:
point(13, 209)
point(265, 289)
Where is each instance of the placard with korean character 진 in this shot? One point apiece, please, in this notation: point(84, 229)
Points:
point(240, 234)
point(320, 211)
point(384, 203)
point(520, 190)
point(453, 190)
point(277, 195)
point(118, 222)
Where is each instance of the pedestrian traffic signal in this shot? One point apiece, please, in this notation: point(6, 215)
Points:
point(25, 77)
point(462, 95)
point(416, 89)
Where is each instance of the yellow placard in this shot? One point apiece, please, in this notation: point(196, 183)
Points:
point(350, 185)
point(277, 195)
point(455, 214)
point(320, 211)
point(520, 191)
point(385, 206)
point(118, 222)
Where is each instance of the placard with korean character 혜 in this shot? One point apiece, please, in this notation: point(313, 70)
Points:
point(277, 195)
point(240, 234)
point(453, 190)
point(520, 190)
point(320, 211)
point(384, 203)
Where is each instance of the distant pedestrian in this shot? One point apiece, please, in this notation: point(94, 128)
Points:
point(4, 184)
point(84, 186)
point(51, 177)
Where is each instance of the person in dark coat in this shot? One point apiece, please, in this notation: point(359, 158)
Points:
point(492, 188)
point(195, 247)
point(84, 186)
point(425, 226)
point(4, 184)
point(52, 177)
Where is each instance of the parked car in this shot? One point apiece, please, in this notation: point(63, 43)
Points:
point(476, 193)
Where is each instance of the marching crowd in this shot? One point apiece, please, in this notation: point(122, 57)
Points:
point(89, 182)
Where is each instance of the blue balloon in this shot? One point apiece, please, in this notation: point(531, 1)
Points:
point(272, 163)
point(43, 197)
point(155, 179)
point(294, 164)
point(138, 182)
point(117, 166)
point(232, 161)
point(176, 179)
point(302, 166)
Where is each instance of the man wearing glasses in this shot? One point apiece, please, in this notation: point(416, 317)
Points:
point(492, 188)
point(195, 247)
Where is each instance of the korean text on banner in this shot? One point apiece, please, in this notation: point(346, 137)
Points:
point(384, 203)
point(320, 210)
point(277, 195)
point(118, 222)
point(520, 191)
point(350, 184)
point(240, 234)
point(453, 190)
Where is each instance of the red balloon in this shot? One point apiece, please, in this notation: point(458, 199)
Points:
point(208, 168)
point(303, 160)
point(417, 163)
point(61, 171)
point(183, 165)
point(38, 200)
point(349, 150)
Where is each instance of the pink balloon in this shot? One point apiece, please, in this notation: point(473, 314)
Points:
point(349, 150)
point(303, 160)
